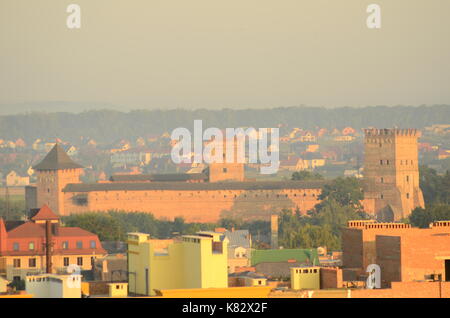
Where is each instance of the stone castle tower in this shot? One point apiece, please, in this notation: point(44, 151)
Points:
point(54, 172)
point(391, 173)
point(227, 171)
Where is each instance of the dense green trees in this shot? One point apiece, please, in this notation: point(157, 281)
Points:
point(114, 225)
point(16, 209)
point(435, 188)
point(321, 227)
point(306, 175)
point(423, 217)
point(345, 191)
point(436, 192)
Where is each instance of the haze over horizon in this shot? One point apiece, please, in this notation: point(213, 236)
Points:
point(236, 54)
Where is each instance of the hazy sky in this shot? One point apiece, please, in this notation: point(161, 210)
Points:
point(225, 53)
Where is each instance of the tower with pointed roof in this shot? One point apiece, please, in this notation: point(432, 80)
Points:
point(54, 172)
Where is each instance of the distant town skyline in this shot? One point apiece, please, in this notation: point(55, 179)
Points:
point(224, 54)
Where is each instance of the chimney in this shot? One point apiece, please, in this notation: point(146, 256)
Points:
point(48, 246)
point(55, 229)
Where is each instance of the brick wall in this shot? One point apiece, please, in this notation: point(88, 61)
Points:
point(198, 206)
point(389, 259)
point(331, 277)
point(352, 248)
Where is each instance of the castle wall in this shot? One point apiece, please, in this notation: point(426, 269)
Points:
point(195, 206)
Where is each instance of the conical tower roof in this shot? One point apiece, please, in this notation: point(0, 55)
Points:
point(57, 159)
point(45, 214)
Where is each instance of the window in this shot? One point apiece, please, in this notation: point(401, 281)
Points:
point(66, 261)
point(79, 261)
point(31, 246)
point(387, 162)
point(382, 196)
point(407, 195)
point(16, 246)
point(382, 180)
point(225, 170)
point(32, 262)
point(381, 162)
point(79, 244)
point(16, 263)
point(407, 178)
point(93, 244)
point(305, 271)
point(65, 245)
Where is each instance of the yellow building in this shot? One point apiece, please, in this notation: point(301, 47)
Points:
point(116, 290)
point(195, 261)
point(305, 277)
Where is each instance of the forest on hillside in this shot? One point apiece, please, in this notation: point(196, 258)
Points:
point(107, 126)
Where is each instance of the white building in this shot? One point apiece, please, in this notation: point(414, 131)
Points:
point(54, 286)
point(130, 158)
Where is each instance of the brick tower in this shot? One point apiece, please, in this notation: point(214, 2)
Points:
point(227, 171)
point(54, 172)
point(391, 173)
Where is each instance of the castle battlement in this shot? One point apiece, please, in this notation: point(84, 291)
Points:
point(371, 224)
point(440, 224)
point(359, 224)
point(390, 132)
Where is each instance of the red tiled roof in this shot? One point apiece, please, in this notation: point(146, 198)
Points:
point(45, 214)
point(28, 229)
point(73, 231)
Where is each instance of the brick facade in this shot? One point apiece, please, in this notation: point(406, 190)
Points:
point(391, 173)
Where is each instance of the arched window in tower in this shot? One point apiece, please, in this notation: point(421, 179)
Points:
point(407, 195)
point(387, 162)
point(381, 162)
point(407, 178)
point(382, 180)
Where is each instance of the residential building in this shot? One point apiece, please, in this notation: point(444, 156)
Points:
point(23, 246)
point(195, 261)
point(13, 179)
point(239, 248)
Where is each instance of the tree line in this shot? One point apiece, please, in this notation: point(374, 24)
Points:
point(107, 126)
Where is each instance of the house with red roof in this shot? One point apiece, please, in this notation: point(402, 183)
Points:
point(27, 247)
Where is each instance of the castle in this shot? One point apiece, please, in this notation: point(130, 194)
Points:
point(391, 173)
point(391, 187)
point(199, 197)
